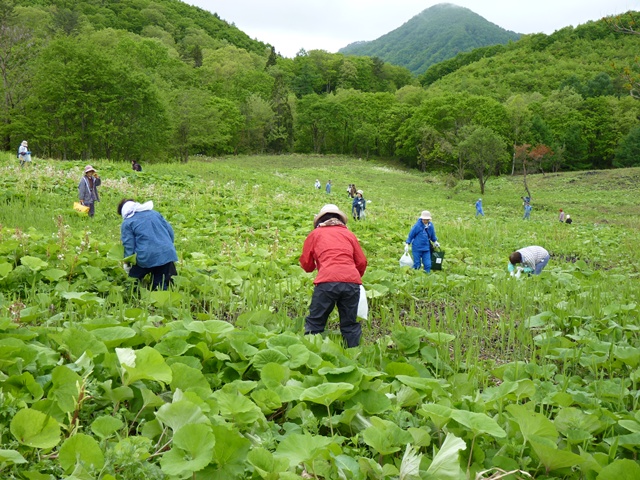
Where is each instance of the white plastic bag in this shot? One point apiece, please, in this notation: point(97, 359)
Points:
point(363, 306)
point(405, 259)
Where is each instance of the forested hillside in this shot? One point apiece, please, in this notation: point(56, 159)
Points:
point(161, 80)
point(438, 33)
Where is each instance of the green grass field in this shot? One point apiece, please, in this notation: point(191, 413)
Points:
point(460, 371)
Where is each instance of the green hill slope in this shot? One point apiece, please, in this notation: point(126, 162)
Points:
point(438, 33)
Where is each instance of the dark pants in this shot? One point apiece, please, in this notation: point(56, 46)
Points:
point(324, 299)
point(160, 276)
point(92, 208)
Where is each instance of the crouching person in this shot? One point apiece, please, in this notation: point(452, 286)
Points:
point(147, 234)
point(335, 252)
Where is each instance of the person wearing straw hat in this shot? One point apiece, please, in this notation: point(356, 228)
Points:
point(88, 188)
point(420, 237)
point(335, 252)
point(146, 233)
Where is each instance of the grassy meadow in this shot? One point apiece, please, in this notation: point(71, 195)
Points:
point(462, 373)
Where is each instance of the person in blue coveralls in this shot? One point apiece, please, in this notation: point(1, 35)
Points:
point(147, 234)
point(420, 238)
point(479, 210)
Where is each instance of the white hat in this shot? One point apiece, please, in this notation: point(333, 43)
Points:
point(88, 169)
point(568, 216)
point(360, 192)
point(329, 208)
point(425, 215)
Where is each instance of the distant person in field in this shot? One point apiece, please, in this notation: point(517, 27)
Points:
point(147, 234)
point(335, 252)
point(561, 216)
point(353, 191)
point(358, 205)
point(568, 220)
point(88, 188)
point(479, 210)
point(328, 187)
point(420, 237)
point(136, 166)
point(317, 184)
point(530, 260)
point(23, 153)
point(527, 212)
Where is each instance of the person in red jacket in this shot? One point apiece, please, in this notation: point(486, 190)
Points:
point(335, 252)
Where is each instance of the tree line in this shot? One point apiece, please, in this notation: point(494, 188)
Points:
point(165, 89)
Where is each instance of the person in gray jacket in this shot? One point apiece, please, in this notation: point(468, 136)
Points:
point(88, 188)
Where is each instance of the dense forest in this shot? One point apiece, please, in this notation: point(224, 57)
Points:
point(436, 34)
point(157, 80)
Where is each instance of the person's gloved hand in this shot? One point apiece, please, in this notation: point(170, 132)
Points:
point(126, 267)
point(511, 268)
point(436, 244)
point(527, 270)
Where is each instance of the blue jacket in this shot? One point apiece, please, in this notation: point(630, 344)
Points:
point(420, 235)
point(359, 203)
point(150, 237)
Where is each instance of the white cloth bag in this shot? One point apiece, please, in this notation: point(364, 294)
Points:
point(363, 306)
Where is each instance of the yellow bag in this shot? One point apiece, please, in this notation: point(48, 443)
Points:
point(80, 208)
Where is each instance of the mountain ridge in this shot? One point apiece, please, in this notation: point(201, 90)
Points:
point(437, 33)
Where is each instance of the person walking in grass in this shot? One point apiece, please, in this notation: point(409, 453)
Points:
point(479, 210)
point(529, 260)
point(24, 154)
point(328, 187)
point(420, 237)
point(561, 216)
point(335, 252)
point(527, 211)
point(358, 206)
point(88, 188)
point(146, 233)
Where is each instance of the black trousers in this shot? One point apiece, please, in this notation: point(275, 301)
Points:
point(325, 297)
point(160, 276)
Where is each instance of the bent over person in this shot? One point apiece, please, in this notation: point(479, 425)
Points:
point(335, 252)
point(147, 234)
point(531, 259)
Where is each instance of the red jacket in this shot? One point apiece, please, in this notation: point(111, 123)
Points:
point(336, 253)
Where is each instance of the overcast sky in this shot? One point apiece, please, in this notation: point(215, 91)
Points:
point(290, 25)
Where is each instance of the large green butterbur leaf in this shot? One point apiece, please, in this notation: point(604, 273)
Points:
point(266, 356)
point(11, 457)
point(105, 426)
point(478, 423)
point(229, 454)
point(66, 388)
point(265, 464)
point(144, 364)
point(372, 401)
point(113, 336)
point(238, 408)
point(34, 263)
point(189, 379)
point(274, 375)
point(385, 437)
point(180, 413)
point(621, 469)
point(326, 394)
point(446, 463)
point(553, 458)
point(23, 387)
point(83, 449)
point(191, 451)
point(533, 424)
point(296, 448)
point(35, 429)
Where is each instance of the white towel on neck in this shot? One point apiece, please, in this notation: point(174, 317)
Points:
point(129, 209)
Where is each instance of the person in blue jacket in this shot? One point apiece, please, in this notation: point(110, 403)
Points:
point(358, 206)
point(420, 238)
point(147, 234)
point(479, 210)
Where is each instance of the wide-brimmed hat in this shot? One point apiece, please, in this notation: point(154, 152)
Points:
point(425, 215)
point(329, 208)
point(360, 192)
point(24, 142)
point(88, 169)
